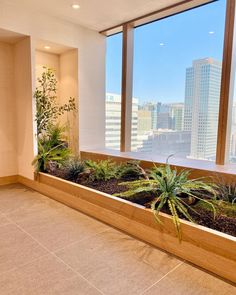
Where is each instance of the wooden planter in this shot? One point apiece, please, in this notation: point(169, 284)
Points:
point(207, 248)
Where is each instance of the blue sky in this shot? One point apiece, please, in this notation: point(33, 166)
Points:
point(164, 49)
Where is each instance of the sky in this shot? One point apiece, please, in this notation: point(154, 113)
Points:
point(164, 49)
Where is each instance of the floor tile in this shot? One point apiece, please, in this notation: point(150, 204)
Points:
point(46, 275)
point(56, 227)
point(188, 280)
point(3, 220)
point(118, 264)
point(16, 197)
point(17, 248)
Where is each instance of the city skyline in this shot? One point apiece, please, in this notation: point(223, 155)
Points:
point(188, 128)
point(164, 49)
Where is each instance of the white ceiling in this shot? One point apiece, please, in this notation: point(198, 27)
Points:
point(94, 14)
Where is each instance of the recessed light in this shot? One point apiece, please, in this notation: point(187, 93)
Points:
point(47, 47)
point(75, 6)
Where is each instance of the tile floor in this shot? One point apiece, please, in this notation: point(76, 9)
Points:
point(48, 248)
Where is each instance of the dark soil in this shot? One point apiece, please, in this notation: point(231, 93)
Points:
point(203, 217)
point(221, 223)
point(109, 187)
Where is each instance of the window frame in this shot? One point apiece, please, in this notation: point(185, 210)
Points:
point(127, 70)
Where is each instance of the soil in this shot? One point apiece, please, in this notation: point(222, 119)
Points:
point(203, 217)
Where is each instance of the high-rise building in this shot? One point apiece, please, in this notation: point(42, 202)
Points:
point(144, 121)
point(202, 94)
point(113, 121)
point(177, 116)
point(153, 109)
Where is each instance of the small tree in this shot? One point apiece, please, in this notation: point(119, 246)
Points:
point(47, 108)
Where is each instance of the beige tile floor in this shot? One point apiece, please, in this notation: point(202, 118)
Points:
point(48, 248)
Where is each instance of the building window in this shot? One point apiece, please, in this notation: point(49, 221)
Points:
point(176, 85)
point(113, 91)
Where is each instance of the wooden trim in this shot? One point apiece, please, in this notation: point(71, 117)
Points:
point(225, 83)
point(8, 179)
point(157, 15)
point(127, 88)
point(204, 247)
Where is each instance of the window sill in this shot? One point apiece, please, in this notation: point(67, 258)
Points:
point(207, 168)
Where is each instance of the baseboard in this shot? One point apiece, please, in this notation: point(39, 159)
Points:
point(4, 180)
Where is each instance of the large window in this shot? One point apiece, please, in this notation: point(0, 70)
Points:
point(231, 151)
point(176, 85)
point(113, 91)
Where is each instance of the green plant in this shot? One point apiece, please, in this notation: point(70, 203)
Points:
point(221, 208)
point(171, 190)
point(52, 147)
point(74, 166)
point(131, 169)
point(47, 154)
point(47, 108)
point(102, 170)
point(227, 192)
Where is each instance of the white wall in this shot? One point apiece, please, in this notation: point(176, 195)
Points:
point(91, 58)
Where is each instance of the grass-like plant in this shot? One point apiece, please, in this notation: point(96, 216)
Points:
point(227, 193)
point(170, 189)
point(73, 167)
point(102, 170)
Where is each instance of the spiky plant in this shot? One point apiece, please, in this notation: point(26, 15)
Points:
point(102, 170)
point(227, 193)
point(169, 188)
point(74, 166)
point(131, 169)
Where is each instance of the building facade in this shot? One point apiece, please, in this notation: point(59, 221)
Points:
point(202, 95)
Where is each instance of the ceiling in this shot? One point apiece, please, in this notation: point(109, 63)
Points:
point(94, 14)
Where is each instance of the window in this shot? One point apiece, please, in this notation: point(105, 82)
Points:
point(231, 155)
point(176, 84)
point(113, 91)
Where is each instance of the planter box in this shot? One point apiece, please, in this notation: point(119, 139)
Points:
point(207, 248)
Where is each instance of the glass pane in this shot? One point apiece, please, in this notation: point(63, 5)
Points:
point(113, 91)
point(232, 116)
point(177, 78)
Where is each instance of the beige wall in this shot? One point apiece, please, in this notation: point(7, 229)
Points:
point(24, 108)
point(91, 87)
point(91, 55)
point(8, 155)
point(69, 88)
point(66, 70)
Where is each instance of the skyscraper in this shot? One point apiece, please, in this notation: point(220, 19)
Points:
point(177, 116)
point(202, 95)
point(113, 121)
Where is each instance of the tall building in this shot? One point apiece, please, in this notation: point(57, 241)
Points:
point(144, 121)
point(202, 94)
point(163, 116)
point(153, 109)
point(113, 121)
point(177, 116)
